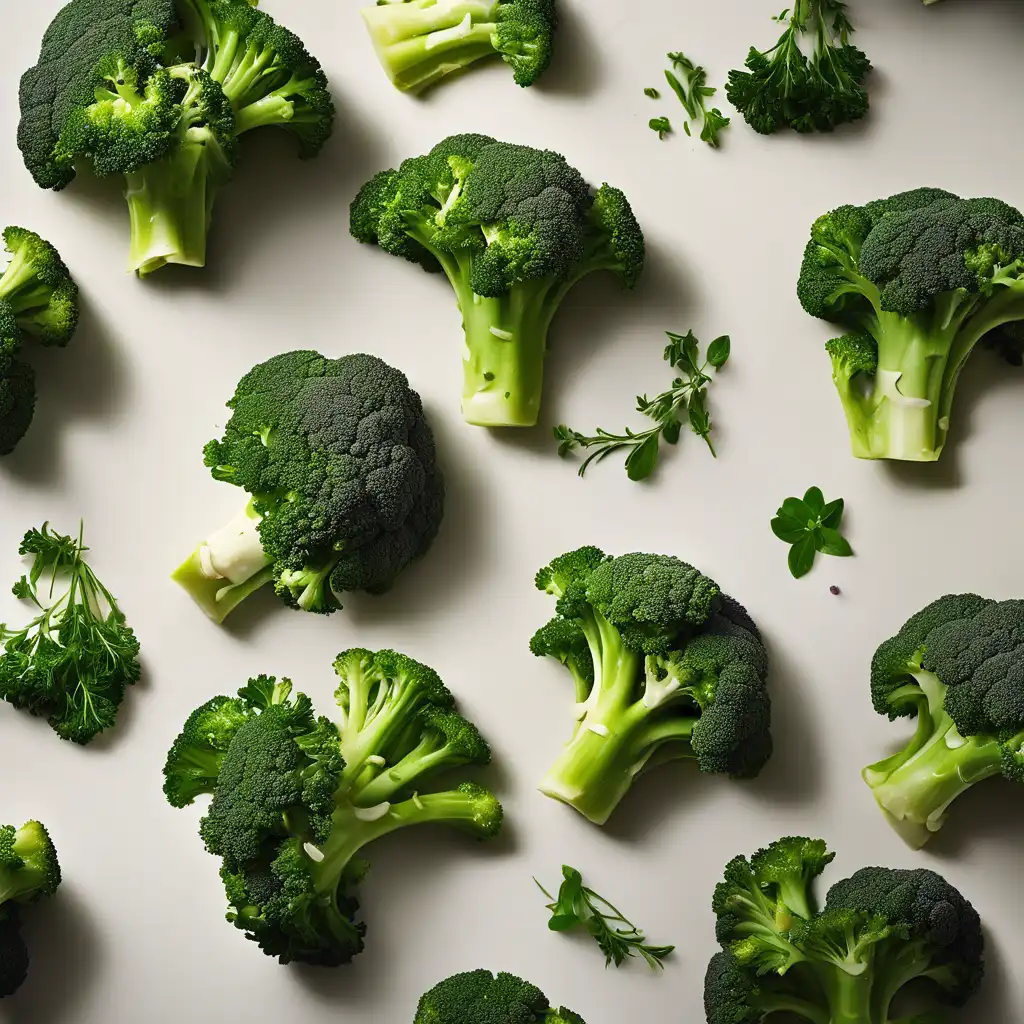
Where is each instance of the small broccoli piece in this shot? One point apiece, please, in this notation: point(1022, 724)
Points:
point(74, 661)
point(480, 997)
point(297, 797)
point(955, 666)
point(918, 280)
point(879, 931)
point(29, 872)
point(785, 88)
point(513, 228)
point(345, 488)
point(665, 667)
point(419, 42)
point(159, 91)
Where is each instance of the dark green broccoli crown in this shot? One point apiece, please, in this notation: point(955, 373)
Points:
point(29, 868)
point(565, 640)
point(340, 463)
point(570, 572)
point(17, 396)
point(479, 997)
point(455, 736)
point(37, 289)
point(281, 763)
point(13, 952)
point(949, 244)
point(617, 243)
point(931, 910)
point(852, 354)
point(730, 993)
point(86, 41)
point(524, 37)
point(651, 599)
point(828, 286)
point(907, 202)
point(194, 760)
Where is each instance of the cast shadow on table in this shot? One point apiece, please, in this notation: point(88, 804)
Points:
point(85, 381)
point(66, 960)
point(576, 64)
point(787, 779)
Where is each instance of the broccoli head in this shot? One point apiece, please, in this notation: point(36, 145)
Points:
point(845, 963)
point(297, 797)
point(419, 42)
point(957, 666)
point(513, 228)
point(29, 872)
point(917, 280)
point(480, 997)
point(345, 489)
point(17, 397)
point(159, 91)
point(664, 665)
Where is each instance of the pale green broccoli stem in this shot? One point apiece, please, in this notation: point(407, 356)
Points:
point(916, 786)
point(20, 285)
point(849, 995)
point(422, 41)
point(227, 567)
point(275, 108)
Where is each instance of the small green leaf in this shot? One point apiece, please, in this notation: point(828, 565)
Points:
point(670, 431)
point(691, 353)
point(642, 459)
point(801, 556)
point(719, 350)
point(562, 922)
point(686, 129)
point(652, 93)
point(661, 125)
point(794, 508)
point(788, 530)
point(814, 500)
point(832, 542)
point(832, 514)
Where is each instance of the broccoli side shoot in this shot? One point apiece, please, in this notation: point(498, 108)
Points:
point(508, 1000)
point(296, 797)
point(513, 229)
point(29, 872)
point(664, 667)
point(956, 667)
point(847, 963)
point(419, 42)
point(73, 662)
point(917, 280)
point(159, 92)
point(344, 486)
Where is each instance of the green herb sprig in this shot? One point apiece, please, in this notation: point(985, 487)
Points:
point(686, 399)
point(692, 89)
point(661, 125)
point(577, 906)
point(810, 525)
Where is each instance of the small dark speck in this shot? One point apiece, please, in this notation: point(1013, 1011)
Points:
point(834, 590)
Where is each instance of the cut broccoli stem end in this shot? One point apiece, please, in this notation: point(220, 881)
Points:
point(226, 568)
point(503, 356)
point(170, 205)
point(915, 796)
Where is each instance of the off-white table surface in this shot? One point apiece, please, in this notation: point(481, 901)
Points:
point(137, 932)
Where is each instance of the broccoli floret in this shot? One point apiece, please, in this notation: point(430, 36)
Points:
point(479, 997)
point(785, 88)
point(955, 666)
point(419, 42)
point(879, 930)
point(29, 872)
point(918, 279)
point(665, 667)
point(345, 488)
point(159, 91)
point(296, 797)
point(73, 663)
point(513, 228)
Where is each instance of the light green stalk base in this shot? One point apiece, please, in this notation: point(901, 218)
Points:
point(420, 42)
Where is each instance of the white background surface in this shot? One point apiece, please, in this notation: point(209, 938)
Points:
point(137, 932)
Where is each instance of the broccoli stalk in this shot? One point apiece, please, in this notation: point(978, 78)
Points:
point(419, 42)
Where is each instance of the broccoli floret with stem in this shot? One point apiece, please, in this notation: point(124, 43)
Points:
point(73, 663)
point(918, 280)
point(159, 91)
point(344, 486)
point(420, 42)
point(665, 667)
point(879, 931)
point(29, 872)
point(297, 797)
point(502, 998)
point(955, 667)
point(513, 228)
